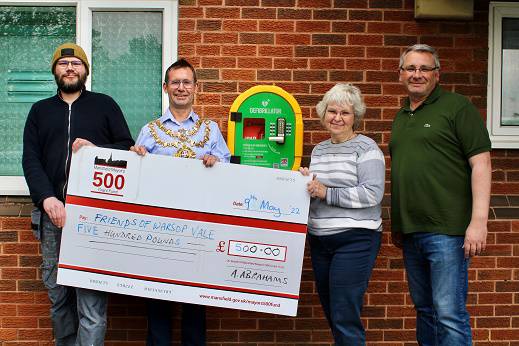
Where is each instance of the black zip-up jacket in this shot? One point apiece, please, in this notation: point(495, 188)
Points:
point(51, 128)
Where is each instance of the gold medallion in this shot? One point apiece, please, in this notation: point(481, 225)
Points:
point(185, 152)
point(184, 143)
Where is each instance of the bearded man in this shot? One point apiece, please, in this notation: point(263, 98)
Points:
point(56, 127)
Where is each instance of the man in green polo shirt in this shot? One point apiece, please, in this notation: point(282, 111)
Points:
point(440, 193)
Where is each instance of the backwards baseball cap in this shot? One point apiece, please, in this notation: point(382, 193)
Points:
point(69, 50)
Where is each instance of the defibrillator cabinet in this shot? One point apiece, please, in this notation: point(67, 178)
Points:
point(266, 128)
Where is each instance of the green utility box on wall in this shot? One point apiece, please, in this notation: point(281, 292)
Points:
point(266, 128)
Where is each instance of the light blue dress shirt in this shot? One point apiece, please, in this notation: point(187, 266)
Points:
point(214, 146)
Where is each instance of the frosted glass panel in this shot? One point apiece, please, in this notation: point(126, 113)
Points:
point(510, 74)
point(28, 37)
point(127, 62)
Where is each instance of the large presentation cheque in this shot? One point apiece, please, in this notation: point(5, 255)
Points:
point(169, 228)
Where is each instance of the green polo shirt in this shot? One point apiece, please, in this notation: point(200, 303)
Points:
point(430, 173)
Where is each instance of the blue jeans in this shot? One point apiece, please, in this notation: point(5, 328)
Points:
point(78, 315)
point(437, 273)
point(342, 266)
point(193, 329)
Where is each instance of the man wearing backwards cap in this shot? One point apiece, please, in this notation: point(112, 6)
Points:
point(56, 127)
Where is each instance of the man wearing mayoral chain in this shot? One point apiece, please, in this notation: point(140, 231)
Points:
point(180, 132)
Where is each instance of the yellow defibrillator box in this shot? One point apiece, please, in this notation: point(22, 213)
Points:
point(265, 128)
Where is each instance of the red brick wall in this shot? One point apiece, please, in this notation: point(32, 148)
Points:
point(305, 46)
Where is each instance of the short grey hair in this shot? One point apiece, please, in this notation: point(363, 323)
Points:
point(423, 48)
point(343, 94)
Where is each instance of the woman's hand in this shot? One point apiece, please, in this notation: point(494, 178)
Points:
point(304, 171)
point(315, 188)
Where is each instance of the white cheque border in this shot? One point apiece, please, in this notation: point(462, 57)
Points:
point(187, 294)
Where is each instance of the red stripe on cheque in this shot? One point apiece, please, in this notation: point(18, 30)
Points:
point(177, 282)
point(187, 215)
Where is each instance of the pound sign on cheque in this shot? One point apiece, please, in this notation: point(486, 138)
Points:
point(221, 247)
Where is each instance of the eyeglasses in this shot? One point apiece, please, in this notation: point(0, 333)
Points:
point(422, 69)
point(188, 84)
point(334, 112)
point(65, 63)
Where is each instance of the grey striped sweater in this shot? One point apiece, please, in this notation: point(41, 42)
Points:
point(354, 173)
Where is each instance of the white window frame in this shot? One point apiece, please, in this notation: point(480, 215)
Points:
point(16, 185)
point(500, 136)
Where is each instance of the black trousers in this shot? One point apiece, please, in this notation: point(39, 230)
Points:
point(193, 332)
